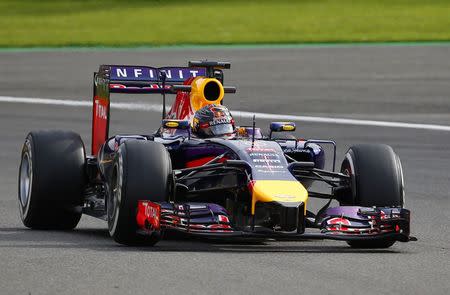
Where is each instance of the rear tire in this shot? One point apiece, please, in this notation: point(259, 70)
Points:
point(142, 170)
point(376, 180)
point(51, 180)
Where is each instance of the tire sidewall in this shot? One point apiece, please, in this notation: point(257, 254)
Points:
point(348, 168)
point(362, 196)
point(401, 180)
point(360, 191)
point(57, 179)
point(26, 152)
point(114, 201)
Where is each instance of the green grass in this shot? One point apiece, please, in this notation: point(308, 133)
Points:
point(25, 23)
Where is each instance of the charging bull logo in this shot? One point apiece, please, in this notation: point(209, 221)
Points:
point(219, 114)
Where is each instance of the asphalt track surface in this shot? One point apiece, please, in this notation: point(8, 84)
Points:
point(408, 84)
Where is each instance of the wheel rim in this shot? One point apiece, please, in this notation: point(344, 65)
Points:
point(26, 176)
point(114, 199)
point(402, 181)
point(348, 169)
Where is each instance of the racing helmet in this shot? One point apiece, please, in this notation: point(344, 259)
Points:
point(213, 120)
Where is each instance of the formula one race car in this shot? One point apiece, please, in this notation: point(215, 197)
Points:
point(244, 185)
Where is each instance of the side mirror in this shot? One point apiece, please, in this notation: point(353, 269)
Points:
point(281, 127)
point(170, 126)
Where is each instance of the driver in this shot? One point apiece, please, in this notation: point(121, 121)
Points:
point(213, 120)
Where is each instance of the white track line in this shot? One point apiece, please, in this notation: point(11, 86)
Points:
point(243, 114)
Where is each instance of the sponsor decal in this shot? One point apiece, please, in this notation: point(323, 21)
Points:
point(117, 86)
point(294, 150)
point(338, 221)
point(270, 166)
point(218, 121)
point(149, 86)
point(101, 109)
point(266, 161)
point(99, 123)
point(288, 128)
point(171, 124)
point(256, 149)
point(132, 73)
point(223, 218)
point(254, 155)
point(148, 216)
point(150, 211)
point(338, 224)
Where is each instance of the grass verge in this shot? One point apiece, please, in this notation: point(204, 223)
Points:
point(155, 23)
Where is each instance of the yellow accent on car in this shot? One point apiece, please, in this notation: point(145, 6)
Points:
point(194, 123)
point(241, 131)
point(171, 124)
point(285, 191)
point(288, 128)
point(205, 91)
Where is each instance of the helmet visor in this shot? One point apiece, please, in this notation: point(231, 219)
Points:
point(218, 130)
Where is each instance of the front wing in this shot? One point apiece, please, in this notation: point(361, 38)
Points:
point(348, 223)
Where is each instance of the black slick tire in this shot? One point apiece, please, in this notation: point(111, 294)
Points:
point(142, 170)
point(376, 180)
point(51, 180)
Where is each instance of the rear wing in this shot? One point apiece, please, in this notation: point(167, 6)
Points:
point(140, 79)
point(137, 79)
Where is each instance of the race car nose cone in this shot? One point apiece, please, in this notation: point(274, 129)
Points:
point(280, 191)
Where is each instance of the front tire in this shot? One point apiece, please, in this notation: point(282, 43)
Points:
point(376, 177)
point(142, 170)
point(51, 180)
